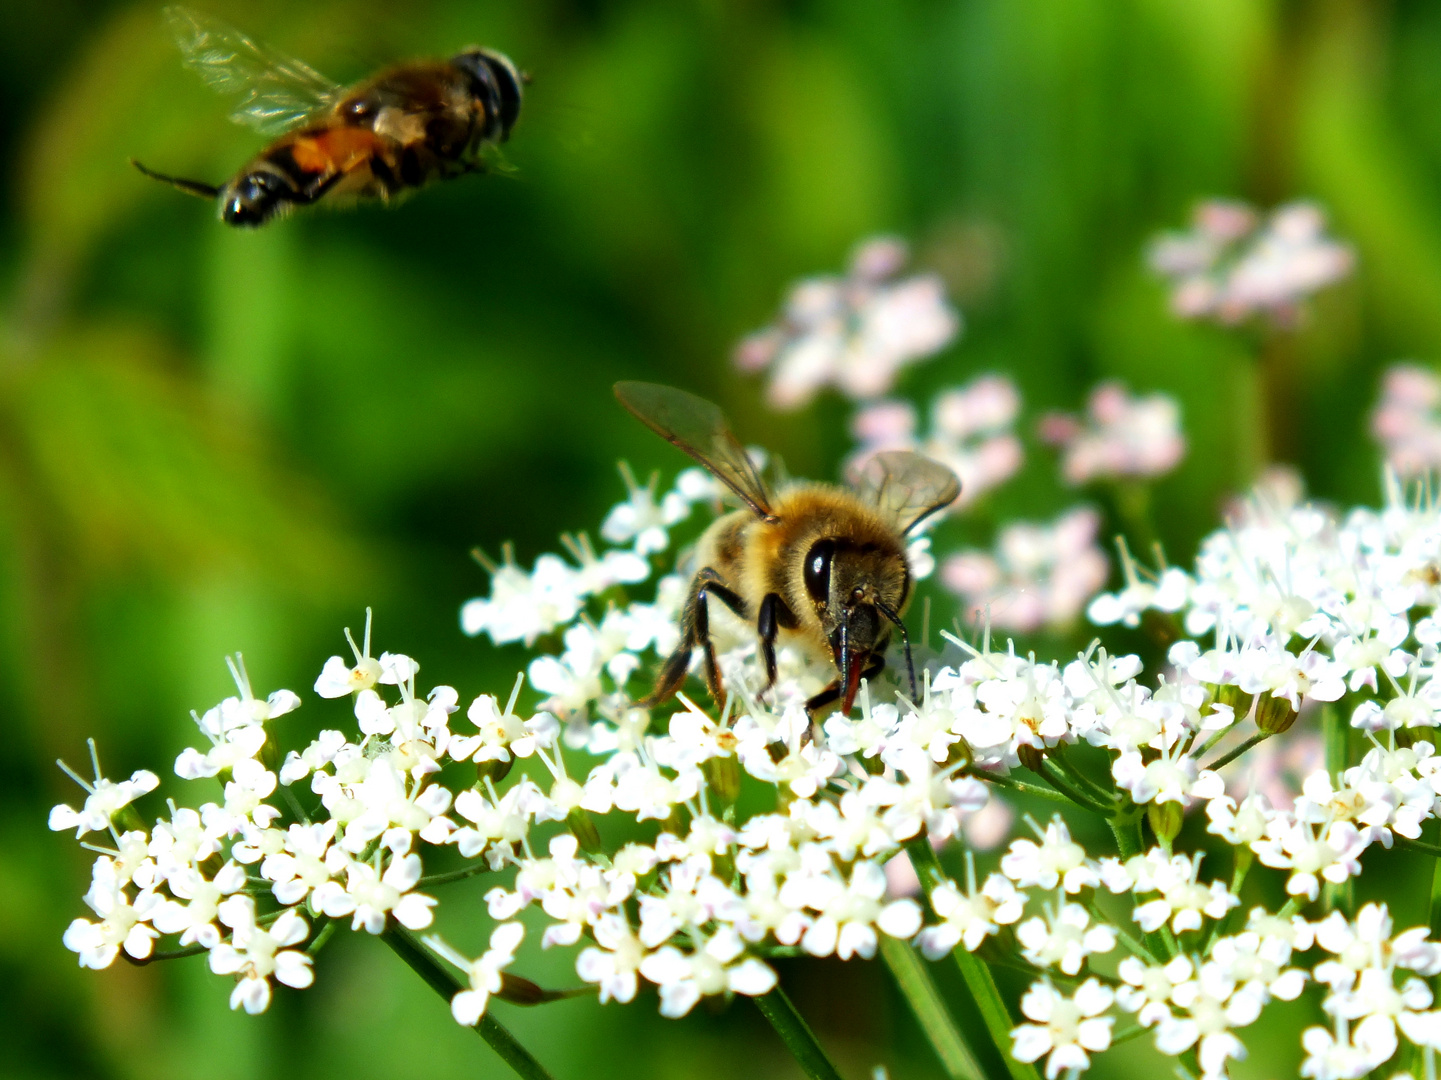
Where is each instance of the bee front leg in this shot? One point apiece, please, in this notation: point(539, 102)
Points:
point(695, 630)
point(774, 614)
point(833, 692)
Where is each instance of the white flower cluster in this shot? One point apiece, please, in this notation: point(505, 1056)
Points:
point(1405, 421)
point(1289, 607)
point(855, 332)
point(1039, 574)
point(1234, 263)
point(1120, 436)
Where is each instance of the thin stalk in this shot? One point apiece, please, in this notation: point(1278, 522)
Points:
point(326, 928)
point(1062, 783)
point(1336, 736)
point(1205, 747)
point(1423, 848)
point(173, 954)
point(910, 973)
point(1130, 842)
point(1435, 919)
point(455, 875)
point(977, 976)
point(1127, 831)
point(1101, 794)
point(1129, 943)
point(1231, 755)
point(1244, 859)
point(1020, 787)
point(796, 1034)
point(1414, 1058)
point(1127, 1034)
point(440, 979)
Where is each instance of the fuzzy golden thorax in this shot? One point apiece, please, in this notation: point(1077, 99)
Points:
point(837, 564)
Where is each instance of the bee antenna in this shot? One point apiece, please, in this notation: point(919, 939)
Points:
point(190, 187)
point(905, 640)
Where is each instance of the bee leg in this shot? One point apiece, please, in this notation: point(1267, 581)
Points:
point(695, 630)
point(316, 189)
point(832, 693)
point(774, 614)
point(190, 187)
point(708, 583)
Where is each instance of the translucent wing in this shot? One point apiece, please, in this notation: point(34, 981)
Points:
point(906, 486)
point(276, 91)
point(700, 429)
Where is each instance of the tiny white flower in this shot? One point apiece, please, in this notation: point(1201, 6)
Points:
point(483, 974)
point(104, 798)
point(337, 678)
point(1066, 1031)
point(1064, 937)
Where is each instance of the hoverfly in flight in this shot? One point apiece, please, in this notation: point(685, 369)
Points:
point(419, 121)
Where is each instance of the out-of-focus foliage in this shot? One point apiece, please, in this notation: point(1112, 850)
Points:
point(213, 441)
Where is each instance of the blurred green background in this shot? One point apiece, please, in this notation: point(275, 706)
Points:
point(213, 440)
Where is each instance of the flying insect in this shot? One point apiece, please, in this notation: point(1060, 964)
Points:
point(822, 564)
point(399, 130)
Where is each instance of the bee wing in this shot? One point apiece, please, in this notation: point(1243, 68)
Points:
point(276, 91)
point(700, 429)
point(906, 486)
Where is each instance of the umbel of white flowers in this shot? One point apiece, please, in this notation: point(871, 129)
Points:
point(701, 907)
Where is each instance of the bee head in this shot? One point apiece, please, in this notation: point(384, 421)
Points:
point(858, 590)
point(497, 82)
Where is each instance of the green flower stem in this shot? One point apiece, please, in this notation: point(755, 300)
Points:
point(910, 973)
point(1130, 842)
point(1413, 1059)
point(978, 977)
point(321, 930)
point(796, 1034)
point(440, 979)
point(455, 875)
point(173, 954)
point(1423, 848)
point(1103, 794)
point(1336, 736)
point(1129, 943)
point(1127, 1034)
point(1245, 857)
point(1291, 907)
point(1126, 829)
point(1231, 755)
point(1053, 773)
point(1435, 919)
point(1020, 787)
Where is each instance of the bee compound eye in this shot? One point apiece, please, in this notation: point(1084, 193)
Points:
point(817, 572)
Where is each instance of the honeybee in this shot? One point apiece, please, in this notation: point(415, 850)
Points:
point(398, 130)
point(823, 564)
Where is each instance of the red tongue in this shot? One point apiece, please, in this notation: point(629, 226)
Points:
point(853, 682)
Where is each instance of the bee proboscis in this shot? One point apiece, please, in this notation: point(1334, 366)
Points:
point(398, 130)
point(823, 564)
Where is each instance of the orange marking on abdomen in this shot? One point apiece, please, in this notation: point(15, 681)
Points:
point(334, 150)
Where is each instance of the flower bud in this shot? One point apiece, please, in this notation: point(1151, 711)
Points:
point(519, 991)
point(1030, 757)
point(1232, 695)
point(1165, 820)
point(1274, 715)
point(582, 827)
point(961, 755)
point(723, 778)
point(494, 769)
